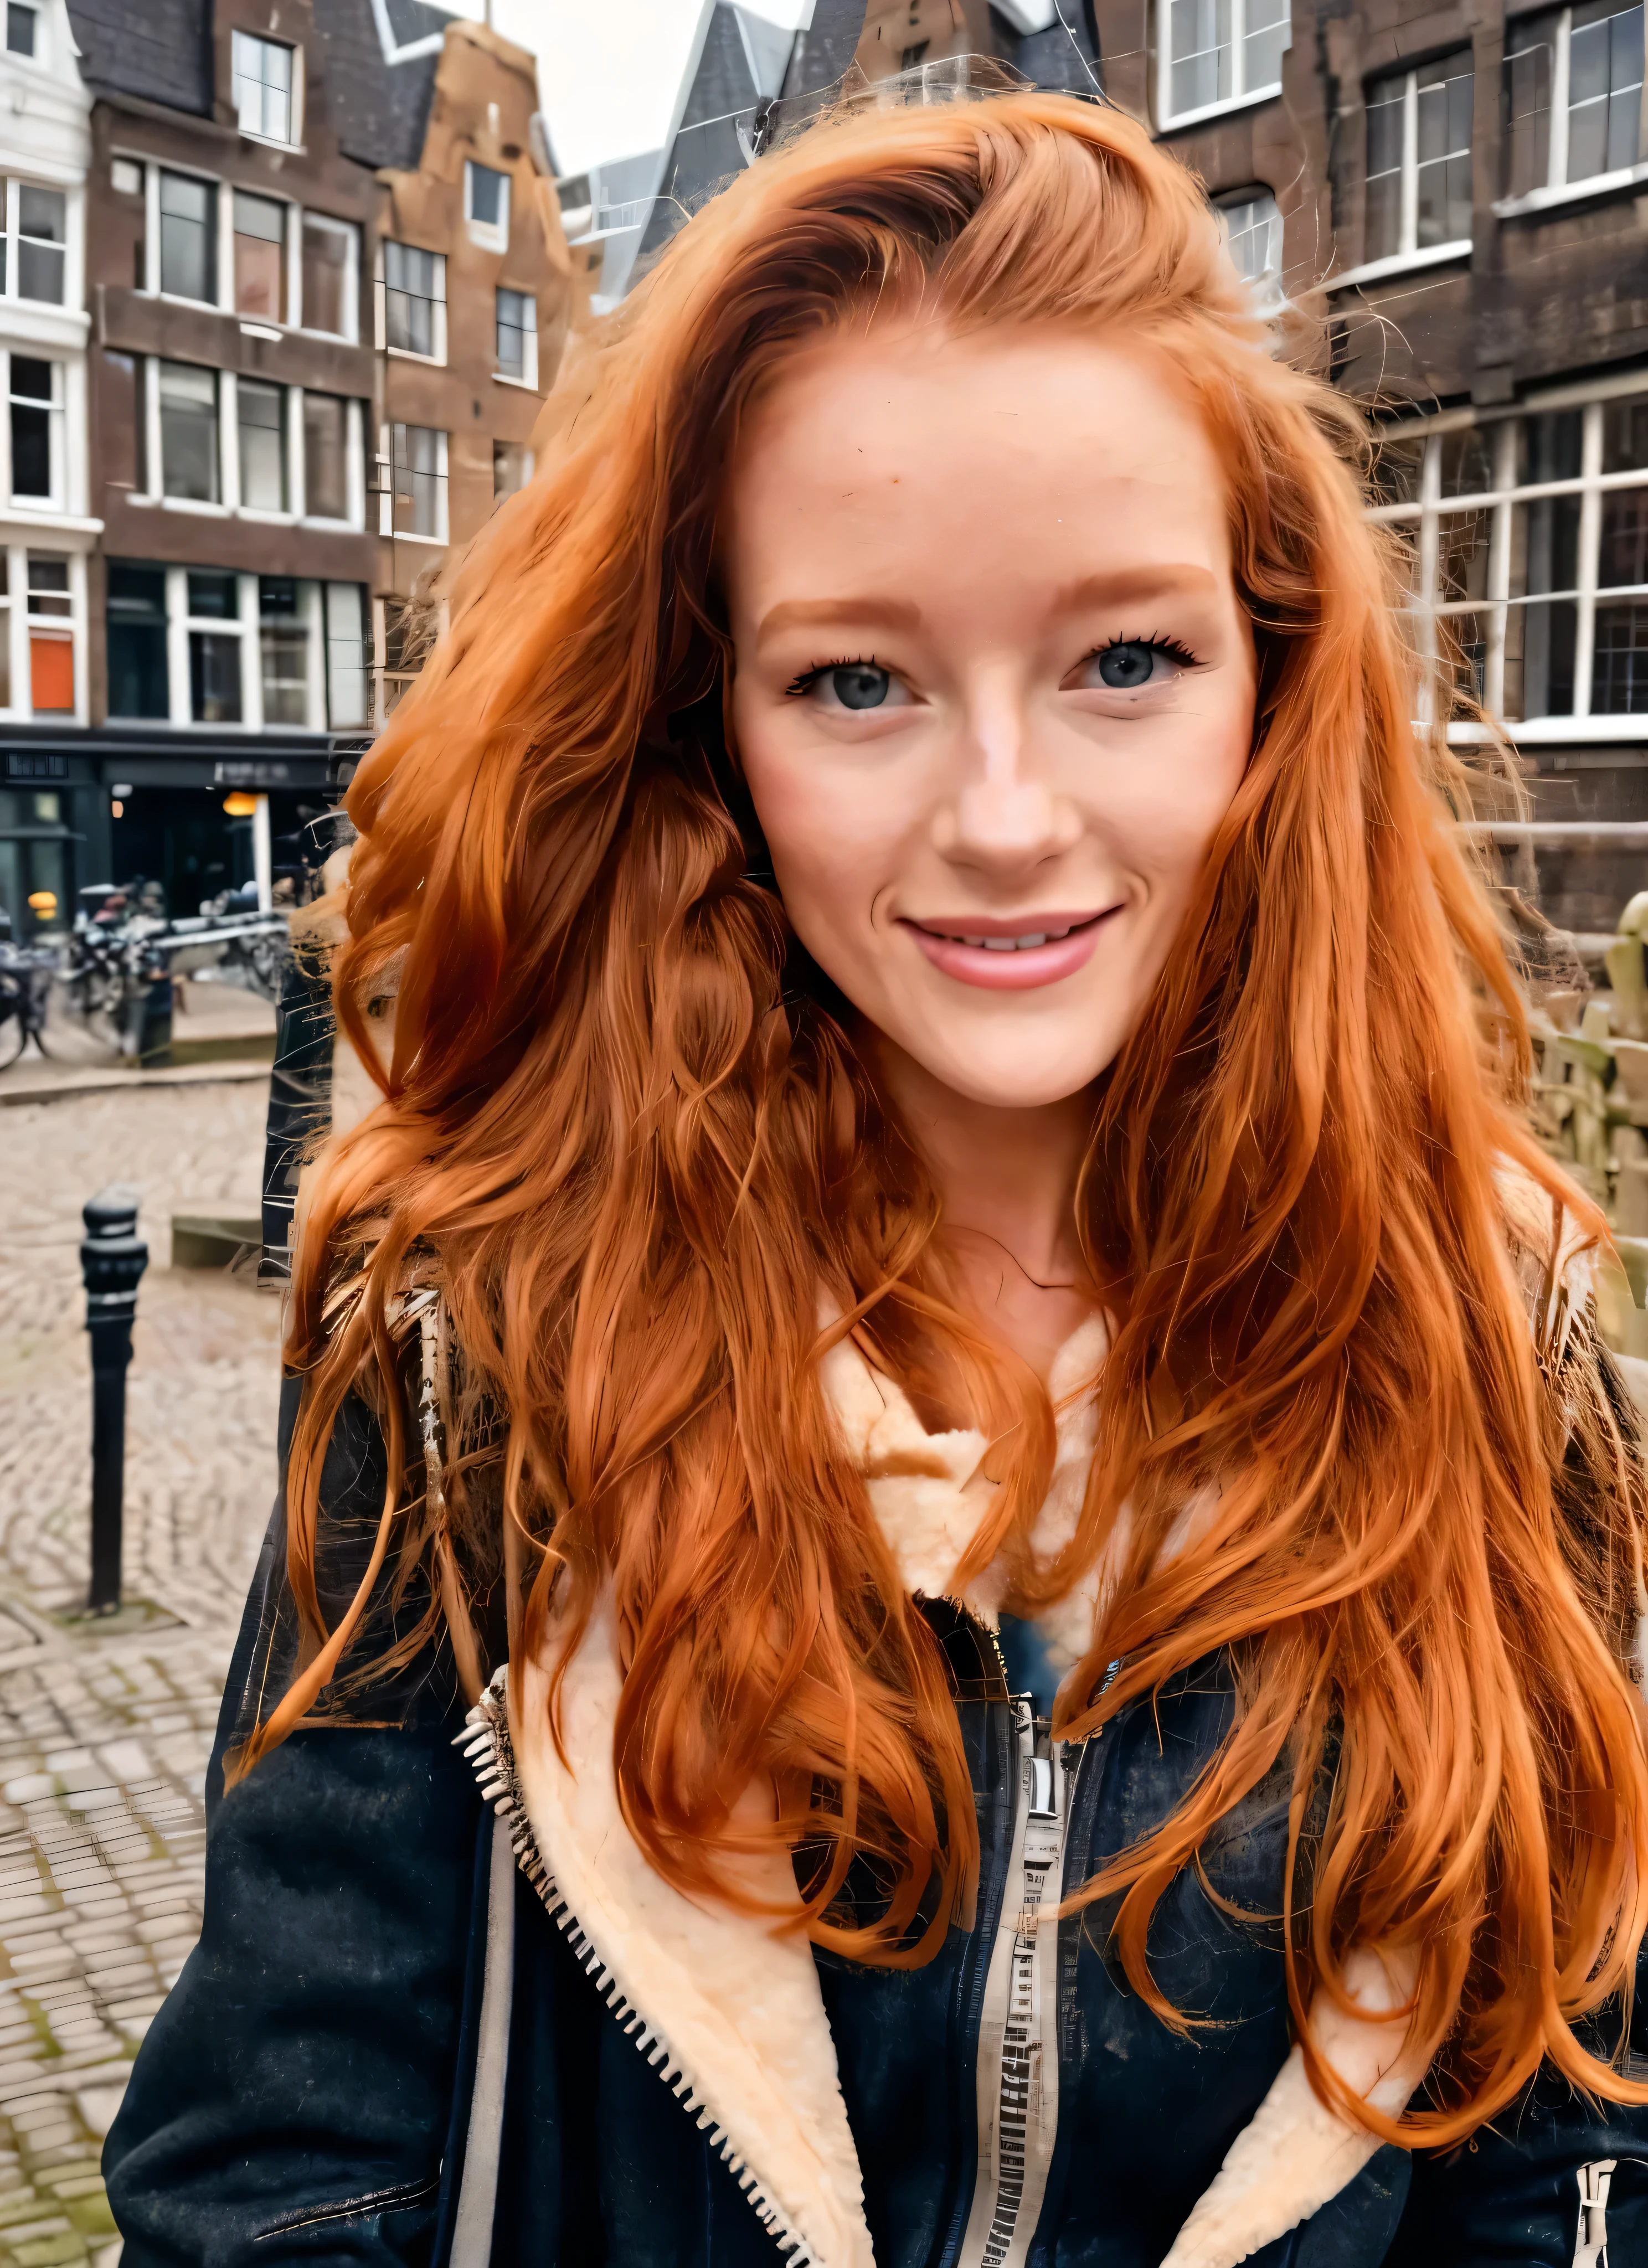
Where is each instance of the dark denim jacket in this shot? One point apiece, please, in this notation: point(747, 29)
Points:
point(305, 2092)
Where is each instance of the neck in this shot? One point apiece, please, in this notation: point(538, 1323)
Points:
point(1006, 1179)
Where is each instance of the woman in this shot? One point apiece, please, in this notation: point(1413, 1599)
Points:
point(949, 1074)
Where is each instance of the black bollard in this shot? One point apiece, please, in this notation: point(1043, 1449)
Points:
point(112, 1259)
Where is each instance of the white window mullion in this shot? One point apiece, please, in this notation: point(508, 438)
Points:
point(227, 296)
point(149, 367)
point(294, 267)
point(13, 193)
point(1429, 542)
point(310, 596)
point(17, 584)
point(1499, 570)
point(354, 462)
point(5, 424)
point(1238, 47)
point(75, 486)
point(250, 653)
point(178, 643)
point(1409, 237)
point(152, 227)
point(77, 625)
point(1590, 532)
point(297, 463)
point(229, 440)
point(1559, 173)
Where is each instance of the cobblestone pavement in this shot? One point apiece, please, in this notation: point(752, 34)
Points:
point(105, 1729)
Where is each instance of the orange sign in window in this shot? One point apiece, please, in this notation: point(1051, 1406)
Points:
point(51, 673)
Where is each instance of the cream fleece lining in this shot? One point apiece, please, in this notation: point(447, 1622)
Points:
point(738, 2011)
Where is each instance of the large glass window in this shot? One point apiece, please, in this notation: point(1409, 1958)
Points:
point(1252, 231)
point(137, 632)
point(285, 649)
point(346, 646)
point(189, 238)
point(486, 204)
point(415, 300)
point(1419, 158)
point(37, 242)
point(1530, 542)
point(263, 89)
point(1573, 95)
point(326, 457)
point(329, 256)
point(517, 336)
point(188, 433)
point(21, 29)
point(51, 635)
point(262, 415)
point(1219, 51)
point(213, 649)
point(419, 467)
point(36, 403)
point(259, 257)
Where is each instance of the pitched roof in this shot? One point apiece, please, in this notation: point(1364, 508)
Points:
point(380, 107)
point(161, 51)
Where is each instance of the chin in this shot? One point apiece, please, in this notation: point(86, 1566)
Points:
point(1014, 1081)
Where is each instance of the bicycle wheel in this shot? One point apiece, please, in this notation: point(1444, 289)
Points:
point(13, 1031)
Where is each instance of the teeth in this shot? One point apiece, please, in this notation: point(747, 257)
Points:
point(1015, 944)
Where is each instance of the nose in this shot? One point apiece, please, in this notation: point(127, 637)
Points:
point(1006, 819)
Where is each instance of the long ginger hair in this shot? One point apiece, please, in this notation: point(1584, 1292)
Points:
point(626, 1131)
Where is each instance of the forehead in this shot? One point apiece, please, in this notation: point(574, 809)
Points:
point(1053, 442)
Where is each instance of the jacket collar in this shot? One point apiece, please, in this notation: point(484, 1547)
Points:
point(732, 2013)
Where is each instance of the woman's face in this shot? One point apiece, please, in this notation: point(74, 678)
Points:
point(994, 688)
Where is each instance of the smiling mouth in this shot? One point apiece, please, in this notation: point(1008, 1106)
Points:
point(1013, 954)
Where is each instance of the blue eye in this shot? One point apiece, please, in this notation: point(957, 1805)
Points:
point(859, 684)
point(1126, 666)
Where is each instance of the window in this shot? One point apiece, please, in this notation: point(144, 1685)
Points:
point(1573, 85)
point(188, 433)
point(285, 649)
point(346, 655)
point(208, 648)
point(419, 462)
point(330, 254)
point(213, 649)
point(36, 243)
point(1252, 233)
point(263, 418)
point(326, 457)
point(486, 204)
point(262, 92)
point(51, 635)
point(1531, 538)
point(21, 29)
point(512, 468)
point(517, 336)
point(136, 625)
point(36, 393)
point(1219, 51)
point(259, 257)
point(414, 301)
point(189, 238)
point(1419, 163)
point(123, 422)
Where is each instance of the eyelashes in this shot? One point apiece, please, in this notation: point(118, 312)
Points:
point(809, 677)
point(1160, 642)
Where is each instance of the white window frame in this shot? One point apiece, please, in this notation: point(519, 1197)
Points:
point(224, 278)
point(1409, 249)
point(14, 186)
point(490, 236)
point(1268, 297)
point(305, 218)
point(380, 309)
point(180, 622)
point(57, 500)
point(228, 443)
point(41, 60)
point(354, 463)
point(528, 379)
point(288, 512)
point(1557, 188)
point(386, 502)
point(14, 628)
point(292, 139)
point(1422, 522)
point(1168, 119)
point(291, 226)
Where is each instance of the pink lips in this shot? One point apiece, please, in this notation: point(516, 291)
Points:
point(1021, 969)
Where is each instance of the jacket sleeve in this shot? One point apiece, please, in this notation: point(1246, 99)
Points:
point(294, 2096)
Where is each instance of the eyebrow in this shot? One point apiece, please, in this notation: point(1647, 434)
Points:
point(822, 614)
point(1172, 578)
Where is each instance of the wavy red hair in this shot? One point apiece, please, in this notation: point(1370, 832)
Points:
point(625, 1124)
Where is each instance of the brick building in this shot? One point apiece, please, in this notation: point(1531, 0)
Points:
point(320, 285)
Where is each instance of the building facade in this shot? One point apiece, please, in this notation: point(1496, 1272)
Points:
point(313, 286)
point(48, 528)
